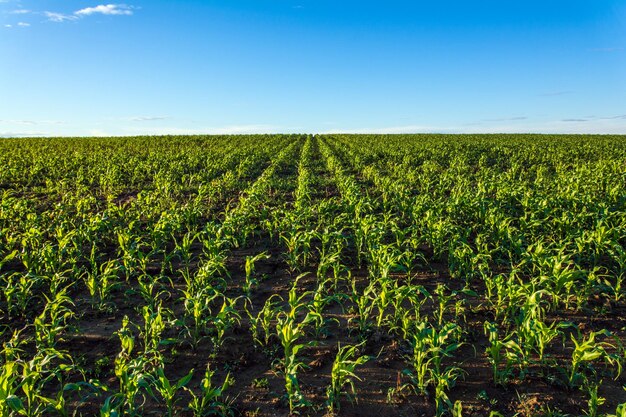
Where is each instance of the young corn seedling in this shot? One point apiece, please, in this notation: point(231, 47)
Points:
point(101, 280)
point(167, 390)
point(443, 301)
point(151, 289)
point(210, 402)
point(183, 248)
point(588, 350)
point(316, 310)
point(128, 249)
point(499, 351)
point(261, 325)
point(430, 347)
point(384, 298)
point(18, 292)
point(197, 305)
point(443, 381)
point(617, 286)
point(53, 320)
point(251, 280)
point(404, 319)
point(225, 319)
point(421, 359)
point(289, 331)
point(130, 373)
point(343, 375)
point(326, 263)
point(595, 401)
point(365, 304)
point(9, 385)
point(35, 375)
point(155, 323)
point(535, 334)
point(298, 245)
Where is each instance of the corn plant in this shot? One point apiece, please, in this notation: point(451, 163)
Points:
point(342, 375)
point(365, 303)
point(251, 280)
point(18, 292)
point(131, 375)
point(225, 319)
point(316, 309)
point(9, 385)
point(586, 351)
point(289, 331)
point(53, 320)
point(167, 389)
point(35, 375)
point(298, 245)
point(197, 306)
point(155, 322)
point(101, 280)
point(210, 402)
point(430, 346)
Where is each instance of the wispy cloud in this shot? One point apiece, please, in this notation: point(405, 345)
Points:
point(248, 129)
point(507, 119)
point(389, 130)
point(100, 133)
point(19, 24)
point(104, 9)
point(107, 9)
point(59, 17)
point(590, 118)
point(148, 118)
point(614, 125)
point(20, 11)
point(244, 129)
point(21, 134)
point(31, 122)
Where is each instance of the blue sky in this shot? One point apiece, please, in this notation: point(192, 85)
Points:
point(162, 67)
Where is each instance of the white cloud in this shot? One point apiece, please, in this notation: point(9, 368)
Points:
point(388, 130)
point(23, 24)
point(247, 129)
point(97, 132)
point(615, 125)
point(59, 17)
point(105, 9)
point(148, 118)
point(31, 122)
point(8, 26)
point(223, 130)
point(21, 134)
point(108, 9)
point(20, 11)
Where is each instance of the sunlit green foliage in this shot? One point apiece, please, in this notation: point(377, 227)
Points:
point(452, 250)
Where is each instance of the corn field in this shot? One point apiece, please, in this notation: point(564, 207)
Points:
point(275, 275)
